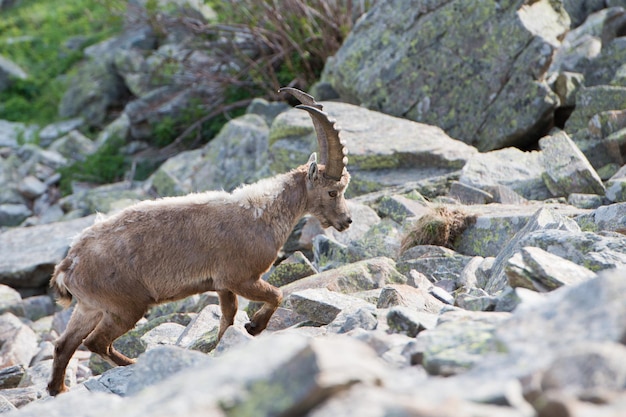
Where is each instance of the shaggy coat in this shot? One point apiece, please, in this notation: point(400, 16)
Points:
point(164, 250)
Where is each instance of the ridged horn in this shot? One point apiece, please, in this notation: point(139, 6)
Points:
point(332, 150)
point(326, 132)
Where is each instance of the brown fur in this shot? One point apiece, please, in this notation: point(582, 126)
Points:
point(163, 250)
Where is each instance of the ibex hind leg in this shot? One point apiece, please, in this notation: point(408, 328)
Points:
point(82, 322)
point(260, 290)
point(110, 327)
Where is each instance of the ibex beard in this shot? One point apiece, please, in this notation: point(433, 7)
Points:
point(164, 250)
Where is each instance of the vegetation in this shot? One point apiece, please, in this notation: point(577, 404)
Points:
point(104, 166)
point(286, 42)
point(440, 227)
point(46, 39)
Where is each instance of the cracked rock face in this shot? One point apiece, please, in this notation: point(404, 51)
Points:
point(418, 62)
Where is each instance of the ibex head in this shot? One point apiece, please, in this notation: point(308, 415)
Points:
point(327, 179)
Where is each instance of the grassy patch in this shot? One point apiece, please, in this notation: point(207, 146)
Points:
point(45, 38)
point(440, 227)
point(104, 166)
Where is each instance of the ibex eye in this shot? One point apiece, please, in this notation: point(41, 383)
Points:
point(333, 194)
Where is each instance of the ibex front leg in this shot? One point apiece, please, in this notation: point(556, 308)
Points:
point(260, 290)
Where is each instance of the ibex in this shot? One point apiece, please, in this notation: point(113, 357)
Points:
point(167, 249)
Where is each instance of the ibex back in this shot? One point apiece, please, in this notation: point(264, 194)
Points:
point(164, 250)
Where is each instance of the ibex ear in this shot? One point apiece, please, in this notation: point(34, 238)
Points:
point(313, 170)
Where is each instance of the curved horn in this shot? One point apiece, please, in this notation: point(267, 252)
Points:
point(326, 132)
point(303, 97)
point(309, 100)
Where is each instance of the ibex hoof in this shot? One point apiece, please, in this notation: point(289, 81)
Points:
point(54, 390)
point(252, 328)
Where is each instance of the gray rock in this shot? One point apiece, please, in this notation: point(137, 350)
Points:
point(587, 368)
point(321, 305)
point(38, 306)
point(237, 155)
point(18, 343)
point(476, 299)
point(34, 251)
point(163, 334)
point(327, 366)
point(566, 168)
point(204, 322)
point(536, 269)
point(267, 110)
point(384, 150)
point(5, 405)
point(295, 267)
point(350, 319)
point(494, 226)
point(161, 363)
point(82, 403)
point(359, 276)
point(11, 301)
point(593, 311)
point(30, 187)
point(418, 299)
point(13, 214)
point(371, 66)
point(436, 262)
point(363, 219)
point(566, 86)
point(591, 101)
point(11, 376)
point(455, 346)
point(466, 194)
point(12, 133)
point(611, 218)
point(234, 336)
point(382, 239)
point(543, 219)
point(93, 91)
point(616, 189)
point(104, 198)
point(399, 208)
point(171, 101)
point(115, 381)
point(585, 201)
point(74, 146)
point(53, 131)
point(410, 321)
point(520, 171)
point(329, 254)
point(175, 176)
point(593, 251)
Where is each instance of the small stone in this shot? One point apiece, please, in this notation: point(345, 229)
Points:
point(30, 187)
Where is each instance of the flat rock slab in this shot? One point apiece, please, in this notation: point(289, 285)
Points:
point(538, 270)
point(383, 150)
point(29, 254)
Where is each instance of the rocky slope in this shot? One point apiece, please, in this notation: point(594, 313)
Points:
point(524, 314)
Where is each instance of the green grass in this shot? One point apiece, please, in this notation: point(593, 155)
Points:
point(34, 35)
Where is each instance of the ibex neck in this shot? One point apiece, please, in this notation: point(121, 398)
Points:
point(287, 206)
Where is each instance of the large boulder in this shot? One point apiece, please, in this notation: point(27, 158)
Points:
point(474, 68)
point(30, 254)
point(383, 150)
point(237, 155)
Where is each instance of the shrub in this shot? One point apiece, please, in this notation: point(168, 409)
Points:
point(35, 36)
